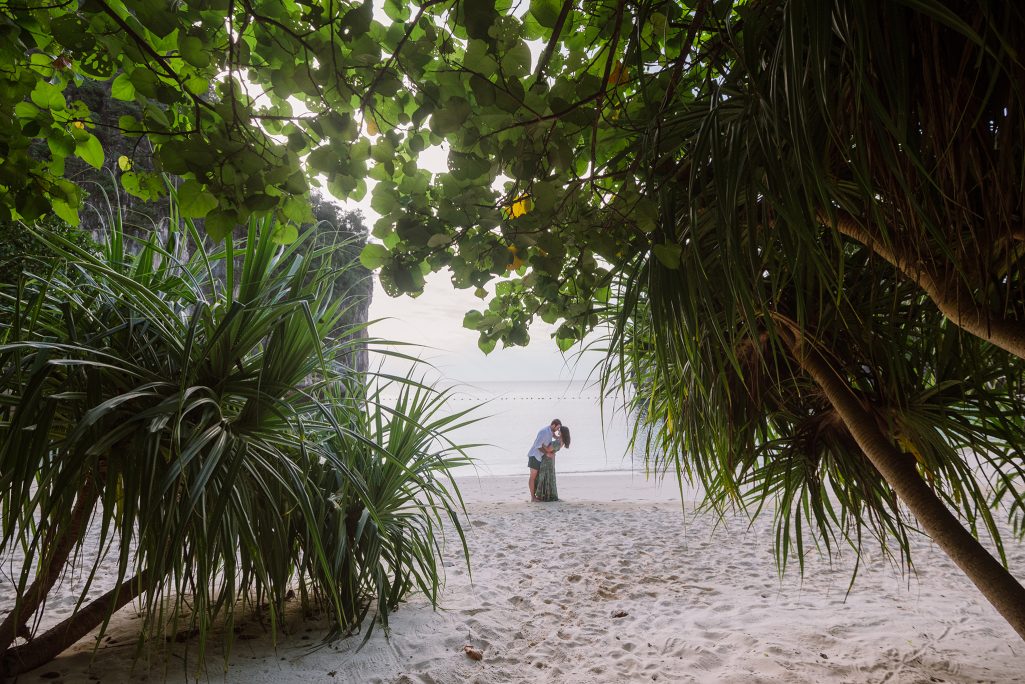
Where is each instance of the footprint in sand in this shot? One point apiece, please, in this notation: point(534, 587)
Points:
point(708, 662)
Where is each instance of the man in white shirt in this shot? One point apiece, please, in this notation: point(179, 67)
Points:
point(538, 449)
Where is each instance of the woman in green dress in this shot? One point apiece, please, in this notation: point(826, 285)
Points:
point(545, 490)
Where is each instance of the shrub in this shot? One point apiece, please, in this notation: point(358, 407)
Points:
point(199, 418)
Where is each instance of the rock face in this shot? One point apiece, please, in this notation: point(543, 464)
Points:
point(346, 230)
point(360, 360)
point(104, 195)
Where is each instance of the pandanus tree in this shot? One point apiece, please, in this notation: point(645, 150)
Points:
point(835, 224)
point(206, 429)
point(900, 127)
point(837, 402)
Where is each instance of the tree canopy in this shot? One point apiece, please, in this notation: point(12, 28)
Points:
point(252, 102)
point(591, 120)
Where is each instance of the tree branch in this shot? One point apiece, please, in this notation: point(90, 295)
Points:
point(56, 550)
point(148, 49)
point(951, 296)
point(62, 636)
point(992, 579)
point(542, 63)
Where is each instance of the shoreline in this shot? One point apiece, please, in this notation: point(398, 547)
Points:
point(620, 582)
point(593, 486)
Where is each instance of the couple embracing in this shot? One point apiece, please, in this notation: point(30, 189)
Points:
point(541, 461)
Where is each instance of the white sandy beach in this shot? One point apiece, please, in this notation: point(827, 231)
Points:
point(616, 584)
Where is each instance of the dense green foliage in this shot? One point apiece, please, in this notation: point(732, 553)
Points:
point(593, 138)
point(228, 456)
point(374, 93)
point(23, 253)
point(827, 319)
point(729, 405)
point(386, 540)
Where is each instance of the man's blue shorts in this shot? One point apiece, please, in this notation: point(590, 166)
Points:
point(533, 463)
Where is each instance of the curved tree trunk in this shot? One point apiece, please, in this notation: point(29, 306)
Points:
point(56, 552)
point(54, 641)
point(951, 297)
point(999, 587)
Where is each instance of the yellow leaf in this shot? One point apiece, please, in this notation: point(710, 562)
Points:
point(372, 128)
point(79, 125)
point(519, 207)
point(124, 163)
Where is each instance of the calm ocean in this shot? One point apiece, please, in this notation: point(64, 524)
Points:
point(512, 413)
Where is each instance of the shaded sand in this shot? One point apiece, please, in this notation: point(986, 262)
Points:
point(615, 584)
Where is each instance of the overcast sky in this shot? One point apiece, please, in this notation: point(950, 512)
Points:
point(435, 320)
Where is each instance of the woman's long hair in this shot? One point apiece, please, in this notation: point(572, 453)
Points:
point(565, 436)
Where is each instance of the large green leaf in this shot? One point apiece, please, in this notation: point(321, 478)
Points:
point(90, 149)
point(48, 96)
point(194, 200)
point(546, 12)
point(374, 256)
point(122, 89)
point(450, 116)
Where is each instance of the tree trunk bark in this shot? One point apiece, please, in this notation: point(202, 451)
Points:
point(951, 298)
point(55, 558)
point(999, 587)
point(60, 637)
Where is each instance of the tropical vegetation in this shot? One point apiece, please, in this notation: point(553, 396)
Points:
point(207, 429)
point(801, 219)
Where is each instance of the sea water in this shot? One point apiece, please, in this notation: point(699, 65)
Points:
point(511, 413)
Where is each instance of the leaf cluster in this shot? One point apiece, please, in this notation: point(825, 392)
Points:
point(214, 429)
point(22, 253)
point(719, 398)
